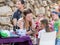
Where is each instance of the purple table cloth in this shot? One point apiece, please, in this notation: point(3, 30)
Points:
point(25, 40)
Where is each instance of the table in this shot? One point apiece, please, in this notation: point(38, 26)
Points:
point(25, 40)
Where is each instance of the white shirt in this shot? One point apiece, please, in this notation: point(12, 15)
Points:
point(41, 31)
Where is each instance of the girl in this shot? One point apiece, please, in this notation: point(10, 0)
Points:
point(27, 22)
point(37, 22)
point(55, 16)
point(39, 16)
point(44, 27)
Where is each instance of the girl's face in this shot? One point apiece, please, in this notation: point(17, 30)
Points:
point(41, 16)
point(41, 25)
point(54, 16)
point(29, 17)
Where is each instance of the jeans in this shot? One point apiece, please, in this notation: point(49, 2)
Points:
point(57, 41)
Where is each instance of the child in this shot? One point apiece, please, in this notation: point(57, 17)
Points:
point(56, 26)
point(45, 27)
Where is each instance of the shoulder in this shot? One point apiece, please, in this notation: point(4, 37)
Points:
point(15, 13)
point(42, 31)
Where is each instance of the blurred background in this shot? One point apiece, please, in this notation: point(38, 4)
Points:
point(7, 8)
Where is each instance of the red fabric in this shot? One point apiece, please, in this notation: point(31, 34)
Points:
point(37, 24)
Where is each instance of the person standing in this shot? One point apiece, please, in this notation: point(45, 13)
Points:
point(44, 25)
point(18, 14)
point(55, 16)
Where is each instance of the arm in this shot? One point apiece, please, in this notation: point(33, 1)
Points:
point(58, 33)
point(14, 24)
point(32, 31)
point(32, 28)
point(20, 23)
point(29, 32)
point(15, 18)
point(59, 30)
point(38, 41)
point(39, 35)
point(14, 21)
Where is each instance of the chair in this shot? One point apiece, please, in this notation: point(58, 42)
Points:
point(48, 38)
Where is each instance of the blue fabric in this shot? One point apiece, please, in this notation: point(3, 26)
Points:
point(57, 41)
point(54, 12)
point(17, 14)
point(59, 15)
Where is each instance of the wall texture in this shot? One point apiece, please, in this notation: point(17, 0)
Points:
point(7, 8)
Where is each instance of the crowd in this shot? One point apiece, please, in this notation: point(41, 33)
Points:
point(23, 20)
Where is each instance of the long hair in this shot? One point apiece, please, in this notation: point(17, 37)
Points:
point(26, 23)
point(45, 22)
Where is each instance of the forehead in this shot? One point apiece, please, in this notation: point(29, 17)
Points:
point(53, 14)
point(40, 15)
point(18, 2)
point(30, 14)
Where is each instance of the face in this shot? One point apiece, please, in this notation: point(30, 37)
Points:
point(29, 17)
point(41, 16)
point(19, 5)
point(42, 26)
point(54, 16)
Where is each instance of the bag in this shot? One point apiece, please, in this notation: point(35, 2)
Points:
point(4, 33)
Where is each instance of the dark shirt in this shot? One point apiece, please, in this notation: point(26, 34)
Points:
point(17, 15)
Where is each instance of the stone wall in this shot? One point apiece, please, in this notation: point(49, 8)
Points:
point(7, 8)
